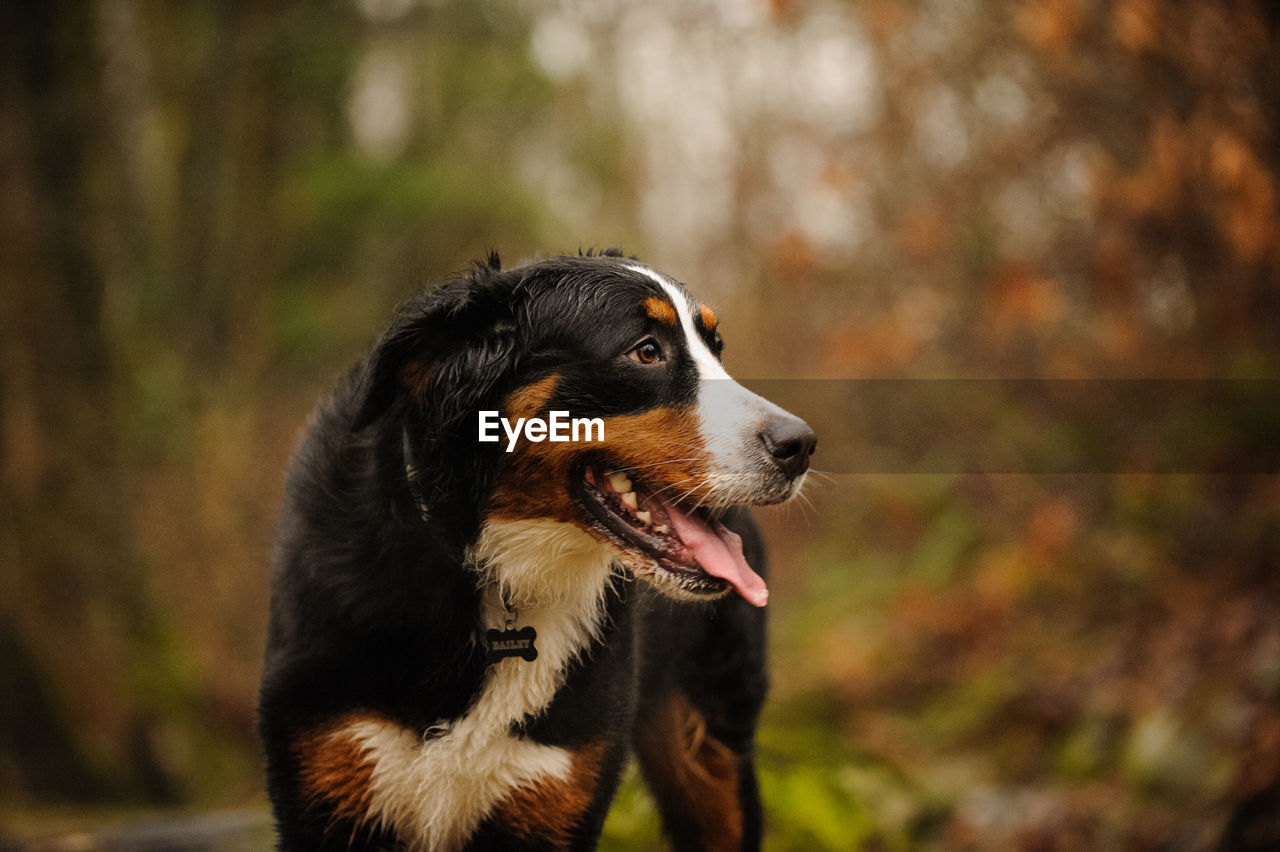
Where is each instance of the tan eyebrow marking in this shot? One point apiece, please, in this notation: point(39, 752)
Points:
point(660, 309)
point(709, 318)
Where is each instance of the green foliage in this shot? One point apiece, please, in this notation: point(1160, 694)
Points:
point(816, 792)
point(633, 820)
point(819, 794)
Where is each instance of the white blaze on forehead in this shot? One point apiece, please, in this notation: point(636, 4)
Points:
point(709, 367)
point(730, 416)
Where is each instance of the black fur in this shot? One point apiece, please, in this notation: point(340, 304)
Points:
point(372, 609)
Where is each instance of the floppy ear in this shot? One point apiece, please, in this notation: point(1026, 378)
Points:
point(400, 360)
point(454, 338)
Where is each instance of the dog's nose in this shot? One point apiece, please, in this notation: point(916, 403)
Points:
point(790, 441)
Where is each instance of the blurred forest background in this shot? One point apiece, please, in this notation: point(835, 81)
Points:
point(209, 209)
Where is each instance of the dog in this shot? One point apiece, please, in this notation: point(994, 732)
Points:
point(471, 633)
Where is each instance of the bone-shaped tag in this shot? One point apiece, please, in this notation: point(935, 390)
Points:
point(511, 643)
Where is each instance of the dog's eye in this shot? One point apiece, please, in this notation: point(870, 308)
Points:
point(646, 352)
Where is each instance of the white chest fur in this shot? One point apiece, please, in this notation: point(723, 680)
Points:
point(436, 791)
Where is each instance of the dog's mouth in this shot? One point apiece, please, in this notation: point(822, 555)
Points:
point(686, 547)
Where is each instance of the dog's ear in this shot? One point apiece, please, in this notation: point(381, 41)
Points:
point(459, 337)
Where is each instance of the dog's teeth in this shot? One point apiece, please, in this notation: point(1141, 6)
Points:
point(645, 518)
point(619, 481)
point(662, 528)
point(629, 500)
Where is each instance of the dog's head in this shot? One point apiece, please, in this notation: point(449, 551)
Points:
point(622, 361)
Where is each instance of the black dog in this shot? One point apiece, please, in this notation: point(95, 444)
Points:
point(460, 655)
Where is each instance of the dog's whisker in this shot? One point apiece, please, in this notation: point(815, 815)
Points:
point(632, 467)
point(805, 504)
point(678, 484)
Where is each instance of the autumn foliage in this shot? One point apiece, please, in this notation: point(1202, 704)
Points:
point(210, 209)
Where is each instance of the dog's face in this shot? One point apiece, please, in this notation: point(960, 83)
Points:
point(627, 352)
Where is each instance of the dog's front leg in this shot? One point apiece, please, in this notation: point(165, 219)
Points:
point(706, 791)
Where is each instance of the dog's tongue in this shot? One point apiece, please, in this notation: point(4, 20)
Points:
point(719, 551)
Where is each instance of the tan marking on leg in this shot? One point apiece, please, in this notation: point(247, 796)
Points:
point(694, 776)
point(336, 769)
point(661, 310)
point(709, 318)
point(551, 810)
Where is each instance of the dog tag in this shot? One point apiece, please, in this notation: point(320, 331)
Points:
point(511, 643)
